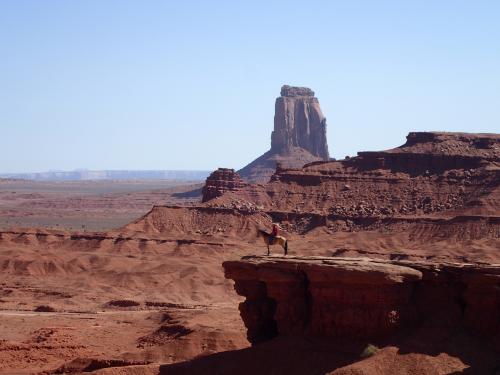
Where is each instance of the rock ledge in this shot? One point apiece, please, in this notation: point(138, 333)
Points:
point(361, 298)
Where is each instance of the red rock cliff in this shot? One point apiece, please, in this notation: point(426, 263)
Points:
point(359, 298)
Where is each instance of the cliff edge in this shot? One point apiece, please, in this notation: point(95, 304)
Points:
point(362, 298)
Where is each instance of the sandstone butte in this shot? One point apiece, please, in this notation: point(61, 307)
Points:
point(299, 135)
point(396, 248)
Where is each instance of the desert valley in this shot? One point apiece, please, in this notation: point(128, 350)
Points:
point(393, 263)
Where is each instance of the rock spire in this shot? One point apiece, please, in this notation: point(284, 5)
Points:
point(299, 122)
point(298, 138)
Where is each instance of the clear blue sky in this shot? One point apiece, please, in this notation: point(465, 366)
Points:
point(191, 84)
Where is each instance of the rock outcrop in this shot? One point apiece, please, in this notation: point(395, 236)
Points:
point(436, 198)
point(432, 172)
point(299, 135)
point(221, 181)
point(437, 184)
point(177, 223)
point(427, 153)
point(361, 298)
point(299, 122)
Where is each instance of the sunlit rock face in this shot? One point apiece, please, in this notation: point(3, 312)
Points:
point(298, 138)
point(221, 181)
point(299, 122)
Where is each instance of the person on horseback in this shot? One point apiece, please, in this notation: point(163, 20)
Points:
point(274, 232)
point(273, 238)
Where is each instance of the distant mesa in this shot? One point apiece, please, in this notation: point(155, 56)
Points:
point(298, 138)
point(91, 175)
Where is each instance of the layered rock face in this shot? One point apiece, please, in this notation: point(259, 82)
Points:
point(436, 152)
point(299, 135)
point(437, 197)
point(221, 181)
point(359, 298)
point(432, 172)
point(436, 185)
point(299, 122)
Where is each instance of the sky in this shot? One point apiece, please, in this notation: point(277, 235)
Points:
point(191, 84)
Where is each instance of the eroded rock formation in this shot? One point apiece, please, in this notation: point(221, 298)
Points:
point(299, 122)
point(220, 181)
point(359, 298)
point(432, 172)
point(435, 185)
point(299, 135)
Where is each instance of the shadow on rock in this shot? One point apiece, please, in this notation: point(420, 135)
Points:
point(477, 355)
point(418, 352)
point(196, 193)
point(282, 355)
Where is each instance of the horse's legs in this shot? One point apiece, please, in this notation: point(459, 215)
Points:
point(286, 247)
point(268, 249)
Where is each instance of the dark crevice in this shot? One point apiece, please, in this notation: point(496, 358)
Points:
point(460, 300)
point(308, 301)
point(267, 326)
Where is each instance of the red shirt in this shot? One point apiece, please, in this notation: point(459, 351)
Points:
point(275, 230)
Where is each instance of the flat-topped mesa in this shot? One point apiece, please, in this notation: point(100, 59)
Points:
point(299, 122)
point(473, 140)
point(435, 152)
point(220, 181)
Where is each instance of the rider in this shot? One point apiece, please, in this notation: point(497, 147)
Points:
point(275, 231)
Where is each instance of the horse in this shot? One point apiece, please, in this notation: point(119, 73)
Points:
point(273, 240)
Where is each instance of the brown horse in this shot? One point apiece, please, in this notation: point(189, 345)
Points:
point(273, 240)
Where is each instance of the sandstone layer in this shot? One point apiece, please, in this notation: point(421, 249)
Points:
point(299, 122)
point(299, 135)
point(361, 298)
point(435, 187)
point(220, 181)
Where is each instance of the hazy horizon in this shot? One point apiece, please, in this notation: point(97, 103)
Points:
point(155, 85)
point(105, 170)
point(110, 175)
